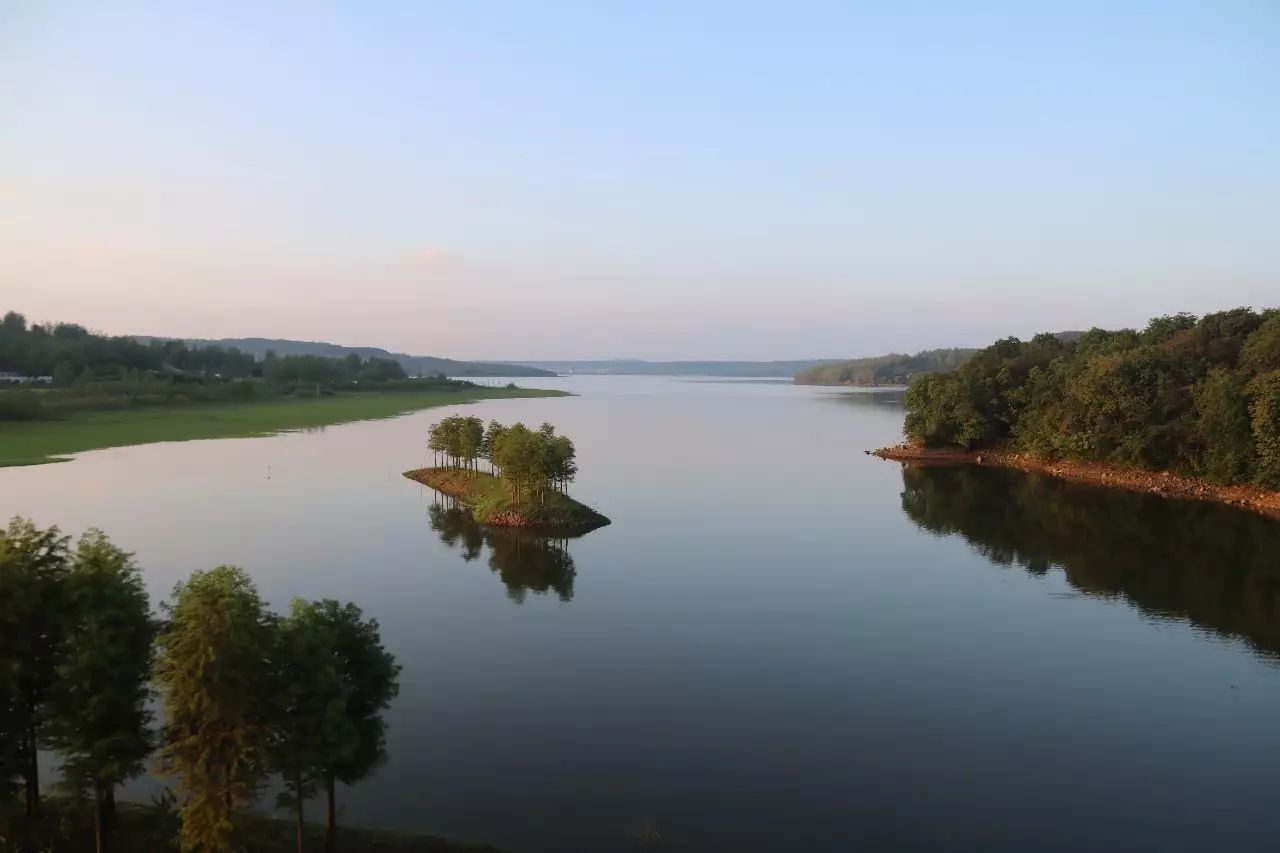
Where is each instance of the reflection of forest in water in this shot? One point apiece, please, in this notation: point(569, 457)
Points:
point(1215, 566)
point(881, 398)
point(524, 561)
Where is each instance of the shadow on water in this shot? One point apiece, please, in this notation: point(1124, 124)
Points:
point(526, 562)
point(1216, 567)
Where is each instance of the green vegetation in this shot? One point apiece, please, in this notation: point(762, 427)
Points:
point(531, 469)
point(1197, 397)
point(246, 694)
point(33, 443)
point(892, 369)
point(414, 365)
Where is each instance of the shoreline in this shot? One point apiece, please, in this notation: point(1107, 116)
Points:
point(1255, 499)
point(38, 442)
point(486, 497)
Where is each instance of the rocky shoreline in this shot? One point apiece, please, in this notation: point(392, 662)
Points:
point(1262, 501)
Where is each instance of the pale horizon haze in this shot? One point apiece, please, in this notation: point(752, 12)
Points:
point(660, 180)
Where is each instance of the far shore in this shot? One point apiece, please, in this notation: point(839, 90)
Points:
point(36, 442)
point(1252, 498)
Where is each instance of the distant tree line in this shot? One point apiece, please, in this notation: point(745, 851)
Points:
point(891, 369)
point(528, 461)
point(92, 371)
point(1196, 396)
point(246, 693)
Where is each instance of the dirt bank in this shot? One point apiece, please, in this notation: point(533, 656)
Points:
point(1262, 501)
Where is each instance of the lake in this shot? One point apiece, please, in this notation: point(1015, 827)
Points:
point(779, 644)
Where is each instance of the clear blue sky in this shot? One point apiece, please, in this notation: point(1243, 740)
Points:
point(661, 180)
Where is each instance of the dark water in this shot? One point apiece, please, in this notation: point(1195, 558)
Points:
point(779, 644)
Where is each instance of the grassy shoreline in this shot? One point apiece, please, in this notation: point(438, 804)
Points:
point(39, 442)
point(487, 498)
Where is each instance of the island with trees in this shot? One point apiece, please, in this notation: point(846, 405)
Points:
point(527, 477)
point(1186, 407)
point(64, 389)
point(247, 696)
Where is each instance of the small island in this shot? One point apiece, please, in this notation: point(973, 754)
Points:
point(529, 472)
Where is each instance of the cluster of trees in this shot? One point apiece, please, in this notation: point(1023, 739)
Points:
point(92, 371)
point(67, 352)
point(246, 694)
point(1199, 397)
point(528, 461)
point(1207, 563)
point(892, 369)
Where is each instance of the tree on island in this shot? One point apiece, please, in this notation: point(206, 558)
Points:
point(529, 462)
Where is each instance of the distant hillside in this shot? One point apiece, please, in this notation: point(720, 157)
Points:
point(636, 367)
point(414, 365)
point(891, 369)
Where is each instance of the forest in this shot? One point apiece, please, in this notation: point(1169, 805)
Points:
point(1199, 397)
point(247, 695)
point(892, 369)
point(95, 372)
point(529, 462)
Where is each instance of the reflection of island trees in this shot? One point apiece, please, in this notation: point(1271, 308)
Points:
point(1215, 566)
point(524, 561)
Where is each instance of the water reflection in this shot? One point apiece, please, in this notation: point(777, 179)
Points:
point(1217, 567)
point(525, 562)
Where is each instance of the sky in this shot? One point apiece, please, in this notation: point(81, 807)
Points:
point(653, 180)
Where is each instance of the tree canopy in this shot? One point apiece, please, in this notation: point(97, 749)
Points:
point(1196, 396)
point(528, 461)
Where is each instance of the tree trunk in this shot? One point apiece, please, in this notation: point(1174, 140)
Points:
point(33, 775)
point(329, 819)
point(297, 797)
point(99, 823)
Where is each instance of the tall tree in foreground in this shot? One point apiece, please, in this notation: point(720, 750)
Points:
point(309, 714)
point(354, 741)
point(99, 716)
point(213, 670)
point(33, 621)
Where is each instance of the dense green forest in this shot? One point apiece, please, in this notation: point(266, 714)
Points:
point(414, 365)
point(1198, 397)
point(85, 371)
point(892, 369)
point(247, 694)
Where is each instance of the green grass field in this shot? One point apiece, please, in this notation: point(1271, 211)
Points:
point(37, 442)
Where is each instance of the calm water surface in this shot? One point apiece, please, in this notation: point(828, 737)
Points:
point(779, 644)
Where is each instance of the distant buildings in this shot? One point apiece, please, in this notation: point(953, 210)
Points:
point(8, 377)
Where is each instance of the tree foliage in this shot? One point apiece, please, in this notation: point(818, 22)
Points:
point(213, 671)
point(100, 722)
point(529, 461)
point(1201, 397)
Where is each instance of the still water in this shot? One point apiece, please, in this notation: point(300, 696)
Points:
point(779, 643)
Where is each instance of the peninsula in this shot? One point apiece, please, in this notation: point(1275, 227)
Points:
point(1185, 408)
point(525, 486)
